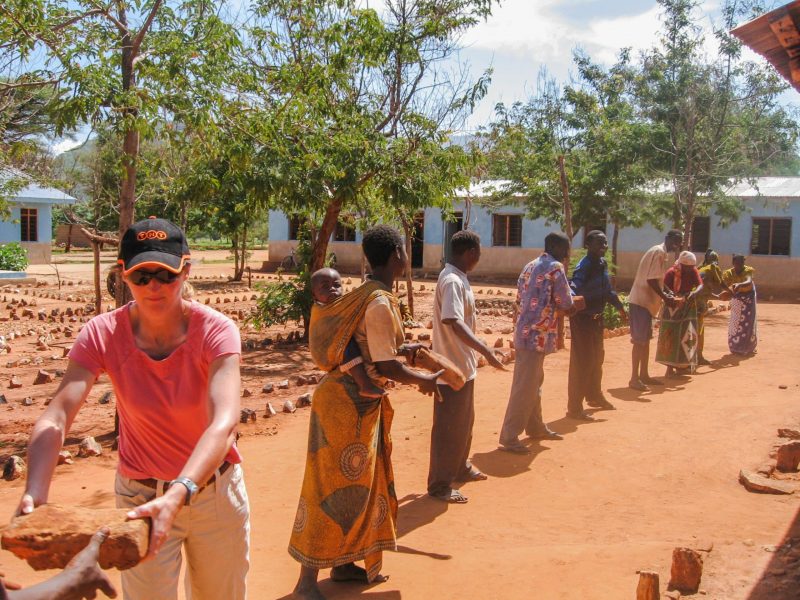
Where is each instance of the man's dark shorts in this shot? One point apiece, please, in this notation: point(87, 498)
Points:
point(641, 324)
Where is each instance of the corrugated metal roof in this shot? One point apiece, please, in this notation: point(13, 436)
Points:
point(759, 187)
point(483, 189)
point(767, 187)
point(33, 192)
point(37, 194)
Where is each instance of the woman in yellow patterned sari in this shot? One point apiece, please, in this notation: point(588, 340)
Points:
point(711, 274)
point(348, 507)
point(742, 327)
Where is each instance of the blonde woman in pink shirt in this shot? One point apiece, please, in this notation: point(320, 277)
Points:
point(174, 365)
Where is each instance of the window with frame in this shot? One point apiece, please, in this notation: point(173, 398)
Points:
point(507, 230)
point(701, 234)
point(28, 220)
point(294, 227)
point(771, 236)
point(345, 230)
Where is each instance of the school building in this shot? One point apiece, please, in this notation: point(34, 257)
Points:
point(767, 232)
point(30, 220)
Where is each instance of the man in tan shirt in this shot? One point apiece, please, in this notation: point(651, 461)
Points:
point(646, 297)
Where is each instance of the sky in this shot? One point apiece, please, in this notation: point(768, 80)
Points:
point(523, 36)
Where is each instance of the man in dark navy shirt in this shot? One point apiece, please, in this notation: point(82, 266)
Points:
point(586, 354)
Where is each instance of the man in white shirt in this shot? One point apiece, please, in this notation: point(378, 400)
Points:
point(454, 337)
point(646, 297)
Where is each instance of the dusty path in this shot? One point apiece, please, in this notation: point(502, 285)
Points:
point(577, 518)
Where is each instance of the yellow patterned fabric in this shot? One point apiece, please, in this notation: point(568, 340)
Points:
point(348, 507)
point(332, 325)
point(731, 276)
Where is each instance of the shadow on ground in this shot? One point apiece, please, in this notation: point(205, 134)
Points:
point(332, 590)
point(781, 578)
point(498, 463)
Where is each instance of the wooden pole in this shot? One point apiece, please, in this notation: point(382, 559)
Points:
point(648, 586)
point(96, 241)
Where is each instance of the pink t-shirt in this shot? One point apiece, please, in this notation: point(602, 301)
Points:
point(162, 404)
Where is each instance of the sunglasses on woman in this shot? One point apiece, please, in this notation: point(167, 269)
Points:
point(144, 277)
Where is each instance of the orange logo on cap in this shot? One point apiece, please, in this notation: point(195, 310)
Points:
point(151, 234)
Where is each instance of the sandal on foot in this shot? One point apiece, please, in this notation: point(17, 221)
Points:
point(473, 474)
point(518, 448)
point(349, 572)
point(451, 497)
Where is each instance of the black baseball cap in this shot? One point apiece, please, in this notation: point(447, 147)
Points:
point(153, 243)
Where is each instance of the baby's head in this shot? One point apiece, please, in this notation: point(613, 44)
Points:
point(326, 285)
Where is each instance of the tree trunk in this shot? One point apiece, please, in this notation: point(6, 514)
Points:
point(98, 295)
point(565, 194)
point(319, 242)
point(408, 230)
point(127, 192)
point(614, 254)
point(130, 155)
point(568, 230)
point(184, 215)
point(241, 256)
point(235, 250)
point(243, 262)
point(68, 245)
point(687, 226)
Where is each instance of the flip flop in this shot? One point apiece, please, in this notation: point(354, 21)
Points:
point(472, 474)
point(353, 573)
point(451, 497)
point(476, 475)
point(638, 386)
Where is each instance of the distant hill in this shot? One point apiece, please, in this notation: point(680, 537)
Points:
point(72, 165)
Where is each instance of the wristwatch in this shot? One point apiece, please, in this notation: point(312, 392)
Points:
point(191, 488)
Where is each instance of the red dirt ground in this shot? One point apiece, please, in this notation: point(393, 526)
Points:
point(575, 520)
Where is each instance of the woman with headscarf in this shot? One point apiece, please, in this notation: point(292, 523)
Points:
point(677, 336)
point(711, 274)
point(742, 330)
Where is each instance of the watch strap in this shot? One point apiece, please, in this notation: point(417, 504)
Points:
point(191, 488)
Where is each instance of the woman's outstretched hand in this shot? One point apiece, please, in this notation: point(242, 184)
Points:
point(162, 512)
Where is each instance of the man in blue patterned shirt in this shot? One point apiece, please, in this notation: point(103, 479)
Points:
point(543, 294)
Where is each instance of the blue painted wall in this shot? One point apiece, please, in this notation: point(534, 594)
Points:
point(736, 237)
point(279, 228)
point(533, 231)
point(725, 240)
point(10, 230)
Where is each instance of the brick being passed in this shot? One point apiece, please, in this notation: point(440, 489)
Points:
point(52, 534)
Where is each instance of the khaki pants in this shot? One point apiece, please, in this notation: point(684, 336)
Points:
point(213, 533)
point(524, 410)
